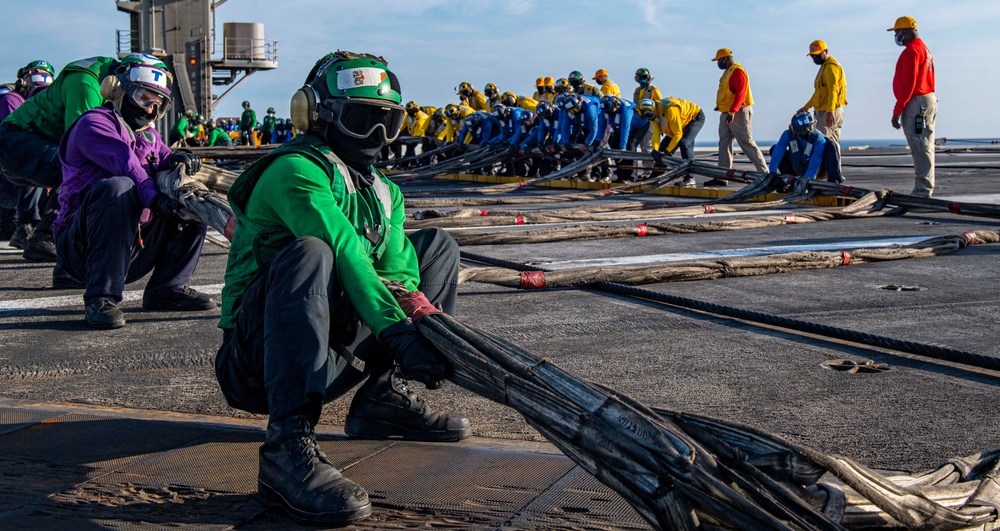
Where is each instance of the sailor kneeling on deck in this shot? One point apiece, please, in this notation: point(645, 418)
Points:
point(305, 313)
point(804, 151)
point(113, 225)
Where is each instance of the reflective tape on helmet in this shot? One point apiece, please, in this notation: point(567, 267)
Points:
point(350, 78)
point(149, 76)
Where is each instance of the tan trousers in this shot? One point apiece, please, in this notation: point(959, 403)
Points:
point(831, 133)
point(741, 131)
point(922, 144)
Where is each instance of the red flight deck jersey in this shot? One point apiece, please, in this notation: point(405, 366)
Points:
point(914, 74)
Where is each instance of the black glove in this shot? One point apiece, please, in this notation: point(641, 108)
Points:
point(191, 162)
point(163, 205)
point(657, 156)
point(417, 357)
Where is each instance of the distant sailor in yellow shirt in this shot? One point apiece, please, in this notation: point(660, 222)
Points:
point(830, 95)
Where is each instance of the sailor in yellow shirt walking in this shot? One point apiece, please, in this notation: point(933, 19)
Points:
point(829, 95)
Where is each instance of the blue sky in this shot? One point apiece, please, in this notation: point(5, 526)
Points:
point(433, 45)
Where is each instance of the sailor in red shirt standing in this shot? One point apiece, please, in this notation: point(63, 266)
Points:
point(916, 105)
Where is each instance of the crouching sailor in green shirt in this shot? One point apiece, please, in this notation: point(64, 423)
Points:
point(306, 316)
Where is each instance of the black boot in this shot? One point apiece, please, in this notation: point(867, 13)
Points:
point(384, 407)
point(296, 475)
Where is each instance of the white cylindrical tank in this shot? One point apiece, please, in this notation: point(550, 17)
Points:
point(244, 41)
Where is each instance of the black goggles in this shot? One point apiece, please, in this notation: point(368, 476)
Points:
point(361, 118)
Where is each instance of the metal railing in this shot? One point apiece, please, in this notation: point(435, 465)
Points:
point(127, 41)
point(249, 49)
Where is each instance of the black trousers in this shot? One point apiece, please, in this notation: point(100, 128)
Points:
point(102, 248)
point(296, 331)
point(29, 159)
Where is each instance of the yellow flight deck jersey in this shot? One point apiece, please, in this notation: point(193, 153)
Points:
point(649, 92)
point(416, 125)
point(724, 98)
point(591, 90)
point(610, 88)
point(671, 119)
point(478, 102)
point(527, 103)
point(831, 87)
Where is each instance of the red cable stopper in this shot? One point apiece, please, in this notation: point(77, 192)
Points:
point(532, 279)
point(671, 204)
point(730, 173)
point(484, 212)
point(642, 230)
point(608, 191)
point(519, 220)
point(846, 191)
point(522, 183)
point(955, 207)
point(416, 305)
point(789, 218)
point(230, 228)
point(709, 209)
point(847, 258)
point(970, 237)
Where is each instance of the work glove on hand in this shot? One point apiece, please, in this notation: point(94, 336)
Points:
point(163, 205)
point(191, 162)
point(657, 157)
point(417, 357)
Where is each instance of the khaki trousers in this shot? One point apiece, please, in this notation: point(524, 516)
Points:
point(741, 131)
point(831, 133)
point(921, 144)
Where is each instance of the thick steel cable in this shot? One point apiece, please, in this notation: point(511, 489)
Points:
point(911, 347)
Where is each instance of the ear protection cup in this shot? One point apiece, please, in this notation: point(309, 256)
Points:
point(303, 109)
point(111, 87)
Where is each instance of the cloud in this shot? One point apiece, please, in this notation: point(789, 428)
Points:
point(649, 12)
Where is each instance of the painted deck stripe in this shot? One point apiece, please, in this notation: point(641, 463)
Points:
point(728, 253)
point(42, 303)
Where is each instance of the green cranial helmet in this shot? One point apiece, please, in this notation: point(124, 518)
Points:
point(359, 94)
point(33, 66)
point(351, 75)
point(576, 77)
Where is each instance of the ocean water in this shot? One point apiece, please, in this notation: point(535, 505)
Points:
point(877, 143)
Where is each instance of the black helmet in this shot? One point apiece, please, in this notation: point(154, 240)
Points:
point(270, 110)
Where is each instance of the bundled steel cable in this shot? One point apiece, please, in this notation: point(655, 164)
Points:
point(200, 203)
point(869, 206)
point(480, 218)
point(735, 267)
point(688, 472)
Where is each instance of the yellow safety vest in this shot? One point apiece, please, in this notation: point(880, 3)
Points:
point(724, 98)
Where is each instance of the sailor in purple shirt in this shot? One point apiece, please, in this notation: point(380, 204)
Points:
point(114, 227)
point(19, 205)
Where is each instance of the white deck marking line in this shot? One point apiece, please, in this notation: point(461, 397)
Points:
point(727, 253)
point(987, 199)
point(41, 303)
